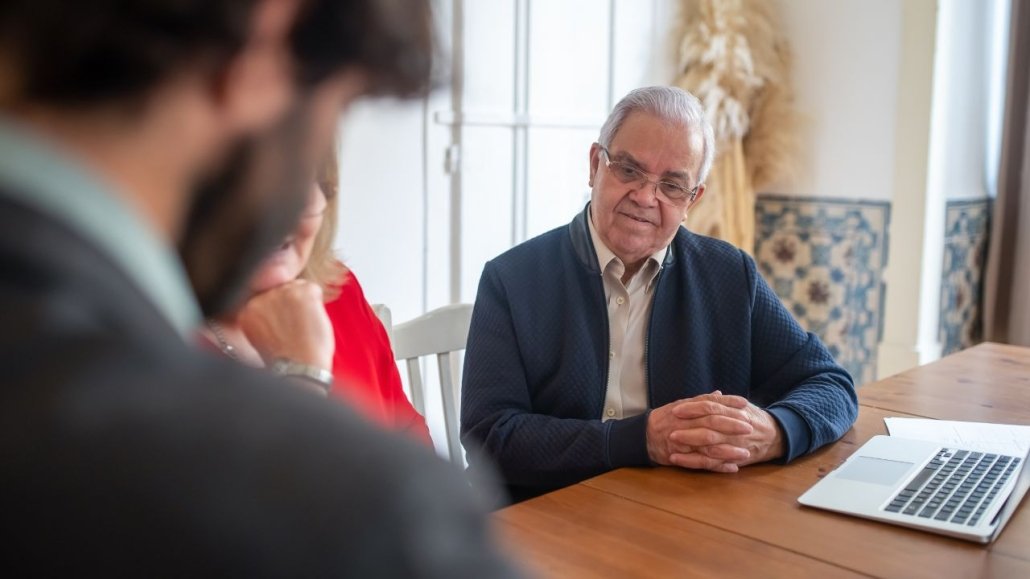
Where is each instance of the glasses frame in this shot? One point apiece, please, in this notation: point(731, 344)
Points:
point(644, 177)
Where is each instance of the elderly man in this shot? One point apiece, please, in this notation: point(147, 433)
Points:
point(135, 132)
point(623, 339)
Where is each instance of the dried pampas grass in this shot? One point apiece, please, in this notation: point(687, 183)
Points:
point(733, 57)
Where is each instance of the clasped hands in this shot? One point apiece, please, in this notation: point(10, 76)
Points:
point(716, 432)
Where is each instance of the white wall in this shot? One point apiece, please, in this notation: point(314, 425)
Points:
point(382, 203)
point(846, 78)
point(847, 55)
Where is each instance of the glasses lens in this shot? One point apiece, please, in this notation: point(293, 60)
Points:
point(673, 191)
point(626, 173)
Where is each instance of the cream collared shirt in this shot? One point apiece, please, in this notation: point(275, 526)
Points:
point(629, 311)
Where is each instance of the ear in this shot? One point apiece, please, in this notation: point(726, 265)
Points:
point(257, 85)
point(694, 200)
point(696, 197)
point(595, 162)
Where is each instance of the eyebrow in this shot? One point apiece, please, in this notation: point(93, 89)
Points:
point(623, 157)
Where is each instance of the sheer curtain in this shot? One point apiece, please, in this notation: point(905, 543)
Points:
point(1007, 283)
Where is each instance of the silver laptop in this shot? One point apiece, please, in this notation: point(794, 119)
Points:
point(961, 493)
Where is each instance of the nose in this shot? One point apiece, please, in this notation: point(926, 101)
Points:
point(645, 193)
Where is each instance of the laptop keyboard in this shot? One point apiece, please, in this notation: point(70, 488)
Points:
point(956, 486)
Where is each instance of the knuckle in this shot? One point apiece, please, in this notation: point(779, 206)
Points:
point(710, 451)
point(719, 422)
point(714, 464)
point(676, 410)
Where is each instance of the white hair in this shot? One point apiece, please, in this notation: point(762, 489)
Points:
point(667, 103)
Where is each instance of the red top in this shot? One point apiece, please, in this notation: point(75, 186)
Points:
point(364, 371)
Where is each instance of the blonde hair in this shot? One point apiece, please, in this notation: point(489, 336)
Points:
point(323, 267)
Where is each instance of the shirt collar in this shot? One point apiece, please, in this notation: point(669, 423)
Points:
point(605, 256)
point(38, 174)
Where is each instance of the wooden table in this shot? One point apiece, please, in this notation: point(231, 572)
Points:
point(666, 522)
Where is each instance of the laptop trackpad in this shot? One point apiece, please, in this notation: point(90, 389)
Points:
point(875, 470)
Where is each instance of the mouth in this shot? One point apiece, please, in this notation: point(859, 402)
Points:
point(638, 219)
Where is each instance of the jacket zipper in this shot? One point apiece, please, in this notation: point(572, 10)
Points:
point(607, 349)
point(647, 342)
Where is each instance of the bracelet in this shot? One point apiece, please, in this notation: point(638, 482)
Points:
point(319, 376)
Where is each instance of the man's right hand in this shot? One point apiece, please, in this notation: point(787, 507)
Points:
point(715, 423)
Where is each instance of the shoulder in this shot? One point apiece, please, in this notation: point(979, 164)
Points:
point(694, 245)
point(713, 256)
point(347, 288)
point(349, 300)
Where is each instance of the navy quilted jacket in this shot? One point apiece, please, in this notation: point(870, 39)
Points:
point(536, 364)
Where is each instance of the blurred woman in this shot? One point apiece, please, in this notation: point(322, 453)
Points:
point(307, 307)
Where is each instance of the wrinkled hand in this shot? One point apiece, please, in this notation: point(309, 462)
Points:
point(714, 432)
point(290, 321)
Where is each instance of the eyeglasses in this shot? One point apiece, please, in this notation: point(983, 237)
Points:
point(666, 191)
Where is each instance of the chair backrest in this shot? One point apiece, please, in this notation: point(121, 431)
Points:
point(442, 332)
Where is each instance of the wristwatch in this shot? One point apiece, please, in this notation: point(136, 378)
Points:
point(319, 376)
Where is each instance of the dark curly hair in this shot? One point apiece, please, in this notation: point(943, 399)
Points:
point(87, 52)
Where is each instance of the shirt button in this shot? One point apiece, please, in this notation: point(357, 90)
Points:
point(619, 300)
point(610, 412)
point(611, 355)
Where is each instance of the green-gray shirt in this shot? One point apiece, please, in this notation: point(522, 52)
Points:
point(37, 173)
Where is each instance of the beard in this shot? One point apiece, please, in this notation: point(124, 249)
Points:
point(243, 210)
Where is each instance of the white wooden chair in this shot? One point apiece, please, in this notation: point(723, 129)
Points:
point(442, 332)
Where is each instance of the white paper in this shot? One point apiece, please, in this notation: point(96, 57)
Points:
point(1008, 439)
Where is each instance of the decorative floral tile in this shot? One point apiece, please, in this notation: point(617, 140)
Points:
point(825, 259)
point(967, 224)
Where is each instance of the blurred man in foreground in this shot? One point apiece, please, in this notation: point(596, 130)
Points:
point(136, 132)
